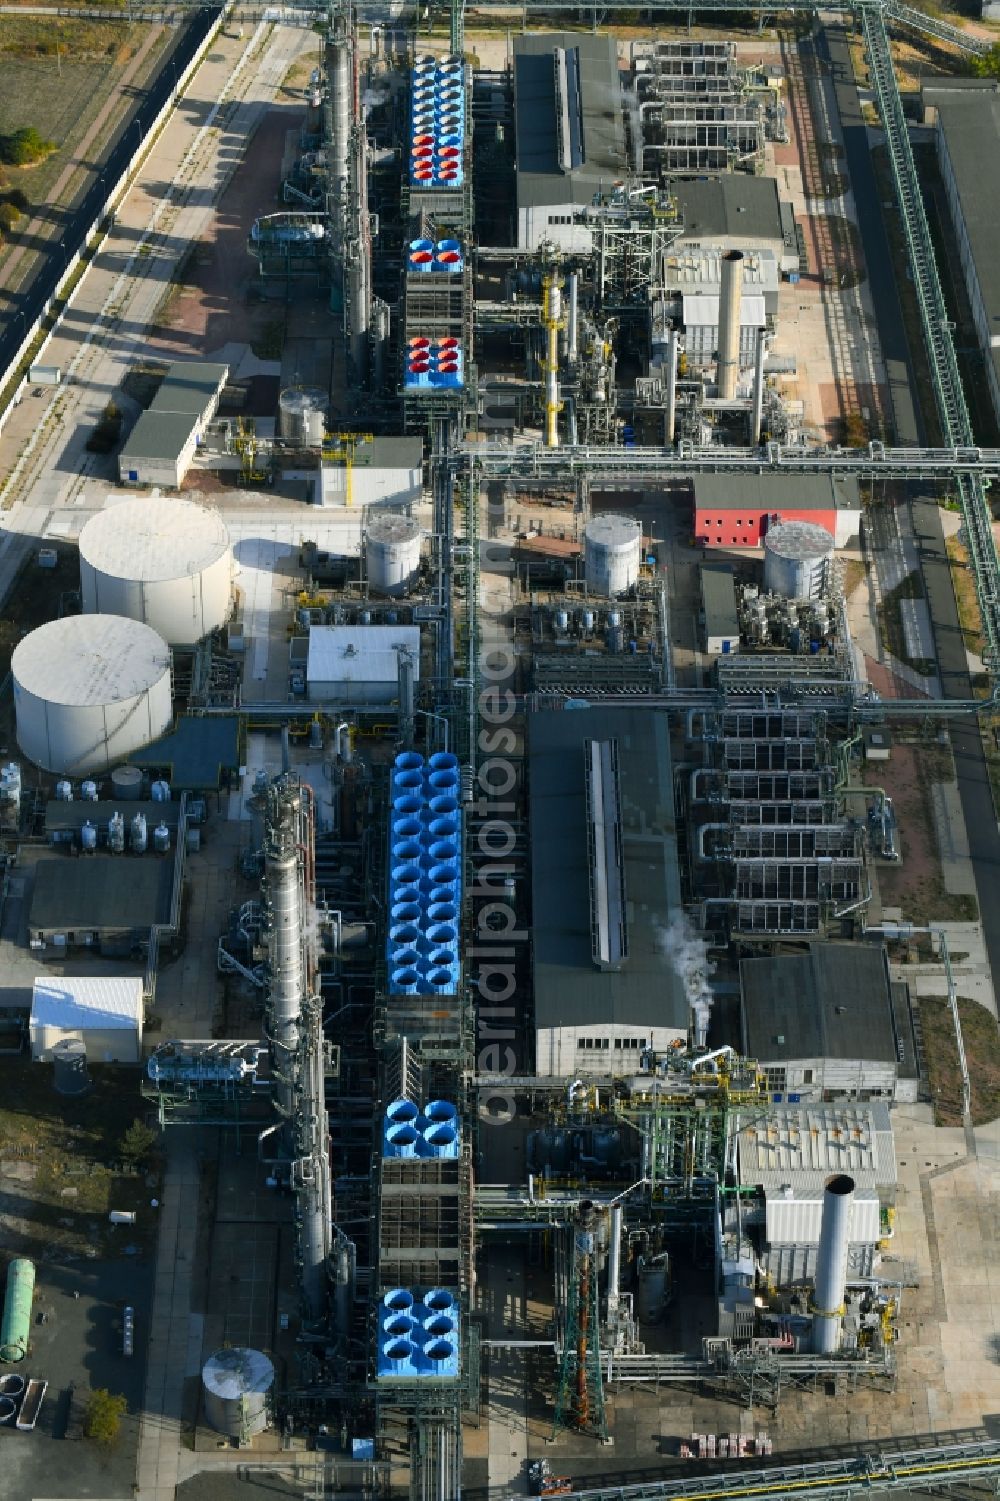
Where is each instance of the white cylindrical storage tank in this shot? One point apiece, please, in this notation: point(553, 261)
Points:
point(797, 558)
point(168, 563)
point(392, 553)
point(613, 554)
point(235, 1384)
point(302, 415)
point(88, 691)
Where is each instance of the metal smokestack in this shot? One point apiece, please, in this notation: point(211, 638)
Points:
point(614, 1261)
point(670, 417)
point(831, 1265)
point(730, 300)
point(757, 414)
point(572, 347)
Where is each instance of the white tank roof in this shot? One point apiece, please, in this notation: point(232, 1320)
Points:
point(87, 660)
point(798, 539)
point(237, 1372)
point(153, 539)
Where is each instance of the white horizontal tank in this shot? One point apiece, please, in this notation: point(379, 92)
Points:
point(797, 559)
point(613, 554)
point(235, 1385)
point(88, 691)
point(392, 553)
point(168, 563)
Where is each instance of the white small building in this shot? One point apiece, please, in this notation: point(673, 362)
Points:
point(359, 664)
point(104, 1012)
point(384, 471)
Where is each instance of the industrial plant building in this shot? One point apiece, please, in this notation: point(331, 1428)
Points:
point(570, 134)
point(105, 1013)
point(966, 117)
point(606, 885)
point(161, 446)
point(829, 1024)
point(736, 212)
point(736, 510)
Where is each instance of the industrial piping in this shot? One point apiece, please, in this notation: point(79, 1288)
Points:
point(730, 304)
point(831, 1265)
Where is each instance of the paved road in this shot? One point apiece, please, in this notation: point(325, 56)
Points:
point(970, 765)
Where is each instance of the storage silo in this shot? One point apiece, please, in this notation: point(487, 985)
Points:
point(168, 563)
point(88, 691)
point(236, 1383)
point(613, 554)
point(302, 412)
point(392, 553)
point(69, 1066)
point(797, 558)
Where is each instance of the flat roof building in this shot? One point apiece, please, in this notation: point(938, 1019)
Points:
point(105, 1012)
point(161, 445)
point(596, 1009)
point(359, 664)
point(718, 605)
point(569, 133)
point(967, 135)
point(735, 510)
point(829, 1024)
point(736, 212)
point(105, 902)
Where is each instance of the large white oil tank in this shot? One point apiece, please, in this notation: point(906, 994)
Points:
point(392, 553)
point(302, 415)
point(168, 563)
point(88, 691)
point(797, 558)
point(613, 554)
point(235, 1384)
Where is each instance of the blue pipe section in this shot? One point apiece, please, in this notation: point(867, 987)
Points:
point(425, 876)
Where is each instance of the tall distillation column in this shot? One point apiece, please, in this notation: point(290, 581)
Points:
point(551, 319)
point(295, 1019)
point(340, 108)
point(284, 925)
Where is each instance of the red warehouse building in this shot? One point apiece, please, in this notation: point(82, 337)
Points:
point(735, 510)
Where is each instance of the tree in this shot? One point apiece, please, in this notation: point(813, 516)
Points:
point(19, 148)
point(18, 198)
point(8, 216)
point(987, 65)
point(102, 1419)
point(137, 1143)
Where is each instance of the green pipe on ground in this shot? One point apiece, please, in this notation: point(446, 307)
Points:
point(16, 1326)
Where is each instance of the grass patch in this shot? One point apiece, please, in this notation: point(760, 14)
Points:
point(63, 1160)
point(853, 573)
point(963, 582)
point(971, 624)
point(61, 38)
point(982, 1053)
